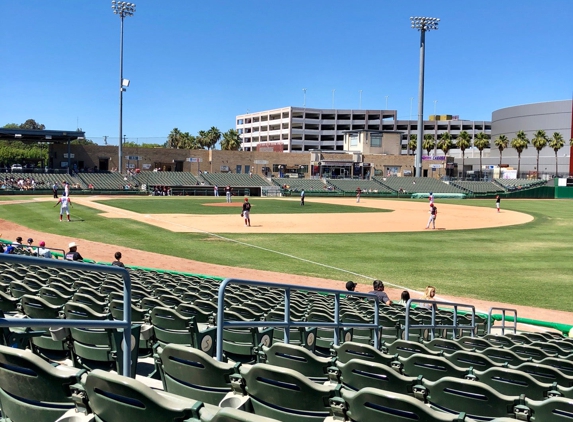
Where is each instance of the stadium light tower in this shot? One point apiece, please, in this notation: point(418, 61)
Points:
point(422, 24)
point(122, 9)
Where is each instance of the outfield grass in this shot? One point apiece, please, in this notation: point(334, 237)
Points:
point(527, 264)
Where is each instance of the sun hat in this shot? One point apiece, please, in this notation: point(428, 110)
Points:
point(42, 243)
point(72, 245)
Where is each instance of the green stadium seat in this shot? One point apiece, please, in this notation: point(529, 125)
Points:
point(431, 367)
point(296, 358)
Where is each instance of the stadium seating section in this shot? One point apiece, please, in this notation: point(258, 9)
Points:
point(47, 374)
point(147, 181)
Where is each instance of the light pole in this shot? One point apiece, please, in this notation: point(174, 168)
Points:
point(435, 102)
point(304, 101)
point(333, 91)
point(360, 102)
point(422, 24)
point(122, 9)
point(411, 102)
point(386, 103)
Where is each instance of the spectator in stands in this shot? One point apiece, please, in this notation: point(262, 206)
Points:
point(351, 286)
point(73, 254)
point(404, 298)
point(30, 247)
point(10, 250)
point(429, 294)
point(378, 287)
point(17, 242)
point(302, 197)
point(117, 261)
point(44, 252)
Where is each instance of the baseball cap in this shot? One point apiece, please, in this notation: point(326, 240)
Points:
point(351, 285)
point(19, 239)
point(42, 243)
point(30, 240)
point(246, 199)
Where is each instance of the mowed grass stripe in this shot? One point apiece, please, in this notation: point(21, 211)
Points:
point(528, 264)
point(200, 205)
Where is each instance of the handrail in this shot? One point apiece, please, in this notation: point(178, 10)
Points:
point(503, 325)
point(432, 327)
point(40, 322)
point(287, 323)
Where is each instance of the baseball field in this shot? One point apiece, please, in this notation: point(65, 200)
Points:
point(520, 256)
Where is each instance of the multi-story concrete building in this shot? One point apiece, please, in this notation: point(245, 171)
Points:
point(292, 129)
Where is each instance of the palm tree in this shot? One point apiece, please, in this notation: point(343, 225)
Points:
point(202, 139)
point(231, 140)
point(445, 143)
point(213, 136)
point(464, 142)
point(481, 142)
point(539, 141)
point(429, 143)
point(519, 144)
point(175, 139)
point(190, 141)
point(501, 143)
point(412, 143)
point(556, 142)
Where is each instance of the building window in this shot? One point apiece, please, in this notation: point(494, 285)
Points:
point(376, 140)
point(239, 167)
point(240, 121)
point(353, 140)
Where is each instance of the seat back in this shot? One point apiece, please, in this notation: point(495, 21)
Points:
point(546, 374)
point(372, 404)
point(431, 367)
point(299, 359)
point(556, 409)
point(114, 398)
point(512, 382)
point(32, 389)
point(285, 394)
point(357, 374)
point(350, 350)
point(476, 399)
point(191, 373)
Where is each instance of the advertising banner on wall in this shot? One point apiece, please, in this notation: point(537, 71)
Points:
point(270, 147)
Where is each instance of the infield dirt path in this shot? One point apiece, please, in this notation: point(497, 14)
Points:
point(405, 216)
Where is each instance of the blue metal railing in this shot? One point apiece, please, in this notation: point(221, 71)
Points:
point(70, 265)
point(437, 325)
point(503, 325)
point(287, 323)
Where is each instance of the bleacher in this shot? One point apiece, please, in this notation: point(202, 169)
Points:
point(417, 185)
point(480, 188)
point(514, 184)
point(366, 186)
point(235, 180)
point(44, 181)
point(163, 178)
point(297, 185)
point(452, 370)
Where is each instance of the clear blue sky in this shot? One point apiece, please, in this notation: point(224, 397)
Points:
point(196, 64)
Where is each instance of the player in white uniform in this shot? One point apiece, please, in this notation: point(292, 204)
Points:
point(65, 207)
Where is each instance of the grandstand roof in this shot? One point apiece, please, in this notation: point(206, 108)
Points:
point(32, 135)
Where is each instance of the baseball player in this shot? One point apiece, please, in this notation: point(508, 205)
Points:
point(65, 204)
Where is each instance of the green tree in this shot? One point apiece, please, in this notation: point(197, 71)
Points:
point(556, 143)
point(231, 140)
point(202, 139)
point(11, 126)
point(412, 143)
point(190, 141)
point(539, 141)
point(429, 143)
point(519, 143)
point(463, 142)
point(32, 124)
point(501, 143)
point(481, 142)
point(83, 142)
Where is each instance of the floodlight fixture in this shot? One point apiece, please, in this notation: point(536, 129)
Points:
point(125, 82)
